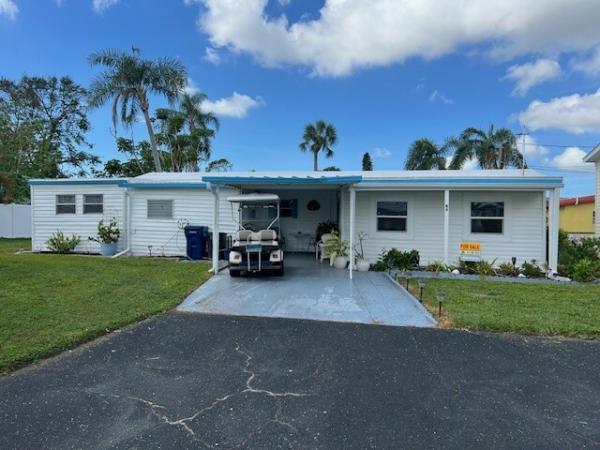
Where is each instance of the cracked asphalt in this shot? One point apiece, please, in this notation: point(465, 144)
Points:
point(192, 381)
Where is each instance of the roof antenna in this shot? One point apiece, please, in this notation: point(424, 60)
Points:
point(522, 134)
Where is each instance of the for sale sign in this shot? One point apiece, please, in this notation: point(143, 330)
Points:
point(470, 251)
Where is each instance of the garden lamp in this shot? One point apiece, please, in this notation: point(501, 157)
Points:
point(421, 284)
point(441, 298)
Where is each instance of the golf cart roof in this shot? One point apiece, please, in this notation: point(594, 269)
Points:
point(254, 198)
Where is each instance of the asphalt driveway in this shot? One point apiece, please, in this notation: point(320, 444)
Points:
point(193, 381)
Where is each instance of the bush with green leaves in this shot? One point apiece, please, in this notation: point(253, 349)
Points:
point(59, 243)
point(571, 252)
point(466, 267)
point(396, 259)
point(586, 270)
point(508, 269)
point(484, 268)
point(335, 246)
point(107, 233)
point(532, 270)
point(436, 266)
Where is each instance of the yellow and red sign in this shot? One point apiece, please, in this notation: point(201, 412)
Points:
point(472, 249)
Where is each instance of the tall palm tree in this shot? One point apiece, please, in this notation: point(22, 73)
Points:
point(319, 137)
point(190, 106)
point(425, 155)
point(128, 80)
point(494, 149)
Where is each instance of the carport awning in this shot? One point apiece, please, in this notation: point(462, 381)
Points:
point(314, 178)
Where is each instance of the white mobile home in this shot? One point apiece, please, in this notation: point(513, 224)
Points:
point(594, 157)
point(499, 214)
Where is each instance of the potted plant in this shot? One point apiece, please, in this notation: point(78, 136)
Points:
point(337, 249)
point(108, 236)
point(362, 264)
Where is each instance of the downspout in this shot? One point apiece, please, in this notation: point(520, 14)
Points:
point(127, 217)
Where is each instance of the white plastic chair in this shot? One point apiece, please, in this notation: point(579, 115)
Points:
point(320, 251)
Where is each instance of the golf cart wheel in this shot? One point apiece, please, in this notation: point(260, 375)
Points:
point(234, 273)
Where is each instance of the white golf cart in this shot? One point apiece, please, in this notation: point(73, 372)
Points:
point(256, 245)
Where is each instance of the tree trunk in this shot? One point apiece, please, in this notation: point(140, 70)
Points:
point(315, 161)
point(155, 154)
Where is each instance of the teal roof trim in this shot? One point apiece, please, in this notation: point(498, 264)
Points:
point(499, 181)
point(349, 179)
point(68, 181)
point(164, 185)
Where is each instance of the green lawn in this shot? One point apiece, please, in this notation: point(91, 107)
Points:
point(49, 303)
point(543, 309)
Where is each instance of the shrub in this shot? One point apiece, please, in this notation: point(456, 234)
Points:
point(484, 268)
point(329, 226)
point(466, 267)
point(396, 259)
point(59, 243)
point(570, 252)
point(436, 266)
point(107, 234)
point(586, 270)
point(336, 247)
point(532, 270)
point(508, 270)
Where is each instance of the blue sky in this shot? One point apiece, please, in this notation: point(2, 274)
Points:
point(382, 75)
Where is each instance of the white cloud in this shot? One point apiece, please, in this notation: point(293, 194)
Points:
point(212, 55)
point(532, 148)
point(380, 153)
point(237, 105)
point(102, 5)
point(190, 87)
point(470, 164)
point(590, 64)
point(531, 74)
point(9, 9)
point(437, 96)
point(577, 113)
point(347, 35)
point(570, 158)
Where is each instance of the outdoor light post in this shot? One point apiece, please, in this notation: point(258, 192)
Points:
point(441, 297)
point(421, 284)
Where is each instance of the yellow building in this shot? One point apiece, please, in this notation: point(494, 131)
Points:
point(577, 215)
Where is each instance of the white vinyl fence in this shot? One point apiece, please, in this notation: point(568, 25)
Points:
point(15, 221)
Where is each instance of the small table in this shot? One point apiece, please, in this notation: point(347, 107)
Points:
point(303, 241)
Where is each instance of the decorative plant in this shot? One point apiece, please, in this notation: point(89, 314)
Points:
point(508, 270)
point(437, 267)
point(59, 243)
point(484, 268)
point(359, 250)
point(329, 226)
point(532, 270)
point(586, 270)
point(107, 234)
point(396, 259)
point(571, 252)
point(335, 246)
point(466, 267)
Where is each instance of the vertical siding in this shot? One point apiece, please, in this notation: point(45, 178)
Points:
point(46, 222)
point(166, 236)
point(523, 235)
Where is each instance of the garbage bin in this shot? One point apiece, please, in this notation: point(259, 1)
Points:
point(195, 236)
point(224, 245)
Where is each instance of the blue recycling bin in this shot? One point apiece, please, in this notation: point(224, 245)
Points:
point(195, 236)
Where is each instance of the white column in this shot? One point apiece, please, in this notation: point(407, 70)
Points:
point(446, 223)
point(352, 219)
point(553, 225)
point(215, 231)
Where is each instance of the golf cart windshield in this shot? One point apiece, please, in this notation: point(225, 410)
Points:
point(255, 211)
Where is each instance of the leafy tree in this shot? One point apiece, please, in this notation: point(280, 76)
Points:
point(140, 160)
point(219, 165)
point(128, 80)
point(190, 107)
point(332, 169)
point(43, 126)
point(494, 149)
point(425, 155)
point(319, 137)
point(367, 164)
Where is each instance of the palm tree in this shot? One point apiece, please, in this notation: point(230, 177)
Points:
point(494, 149)
point(128, 80)
point(319, 137)
point(425, 155)
point(190, 106)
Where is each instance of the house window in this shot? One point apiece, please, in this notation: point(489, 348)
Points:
point(160, 209)
point(93, 204)
point(391, 216)
point(65, 204)
point(289, 208)
point(487, 217)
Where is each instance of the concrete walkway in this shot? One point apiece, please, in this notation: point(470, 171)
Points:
point(311, 290)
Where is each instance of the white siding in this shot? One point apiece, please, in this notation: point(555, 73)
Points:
point(166, 236)
point(523, 235)
point(46, 222)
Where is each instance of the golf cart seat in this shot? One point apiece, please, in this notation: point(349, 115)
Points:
point(242, 235)
point(264, 235)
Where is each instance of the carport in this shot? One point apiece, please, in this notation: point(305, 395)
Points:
point(311, 290)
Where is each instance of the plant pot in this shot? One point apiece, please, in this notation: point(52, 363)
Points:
point(363, 265)
point(340, 262)
point(108, 249)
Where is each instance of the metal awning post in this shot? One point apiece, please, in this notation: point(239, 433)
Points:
point(215, 229)
point(446, 223)
point(352, 220)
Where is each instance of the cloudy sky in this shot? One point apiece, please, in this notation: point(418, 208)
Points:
point(385, 72)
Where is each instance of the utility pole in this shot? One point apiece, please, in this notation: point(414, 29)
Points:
point(522, 135)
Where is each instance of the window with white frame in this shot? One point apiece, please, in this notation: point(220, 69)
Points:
point(160, 209)
point(93, 204)
point(65, 204)
point(487, 217)
point(392, 215)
